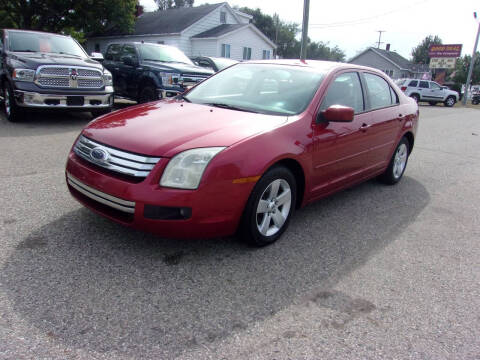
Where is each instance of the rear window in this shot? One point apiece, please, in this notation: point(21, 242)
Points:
point(413, 83)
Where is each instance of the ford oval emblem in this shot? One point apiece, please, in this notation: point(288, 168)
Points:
point(99, 154)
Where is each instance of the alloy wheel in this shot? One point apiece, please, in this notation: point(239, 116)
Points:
point(274, 207)
point(400, 161)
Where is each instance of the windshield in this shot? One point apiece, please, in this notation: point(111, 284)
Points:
point(163, 54)
point(222, 63)
point(46, 43)
point(264, 88)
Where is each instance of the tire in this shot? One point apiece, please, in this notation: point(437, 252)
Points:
point(475, 101)
point(398, 163)
point(415, 97)
point(433, 103)
point(147, 93)
point(450, 101)
point(97, 113)
point(267, 215)
point(13, 112)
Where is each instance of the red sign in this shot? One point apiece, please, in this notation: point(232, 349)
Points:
point(435, 51)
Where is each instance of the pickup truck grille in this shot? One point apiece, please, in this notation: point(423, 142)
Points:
point(53, 76)
point(113, 159)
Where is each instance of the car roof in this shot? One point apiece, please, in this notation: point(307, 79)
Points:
point(36, 32)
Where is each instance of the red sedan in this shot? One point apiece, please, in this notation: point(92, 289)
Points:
point(243, 149)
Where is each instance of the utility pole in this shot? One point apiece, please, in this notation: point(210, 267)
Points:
point(379, 38)
point(472, 62)
point(303, 48)
point(277, 20)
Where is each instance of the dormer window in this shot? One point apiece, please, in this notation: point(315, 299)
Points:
point(223, 17)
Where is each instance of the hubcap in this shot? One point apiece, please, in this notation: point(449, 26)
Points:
point(7, 101)
point(400, 161)
point(274, 207)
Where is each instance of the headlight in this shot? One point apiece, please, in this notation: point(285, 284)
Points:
point(107, 78)
point(185, 170)
point(169, 78)
point(23, 74)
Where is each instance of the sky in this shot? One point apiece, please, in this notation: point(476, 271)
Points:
point(353, 25)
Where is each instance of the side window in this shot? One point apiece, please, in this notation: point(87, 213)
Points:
point(345, 90)
point(435, 86)
point(129, 50)
point(394, 95)
point(423, 84)
point(113, 52)
point(205, 64)
point(379, 92)
point(226, 50)
point(413, 83)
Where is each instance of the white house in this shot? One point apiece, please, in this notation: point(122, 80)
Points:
point(209, 30)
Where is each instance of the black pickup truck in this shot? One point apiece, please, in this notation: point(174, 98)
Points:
point(145, 72)
point(40, 70)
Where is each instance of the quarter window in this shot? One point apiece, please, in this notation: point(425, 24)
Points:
point(247, 53)
point(379, 92)
point(226, 50)
point(423, 84)
point(345, 90)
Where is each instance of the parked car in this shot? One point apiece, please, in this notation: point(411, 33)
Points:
point(428, 91)
point(213, 63)
point(230, 155)
point(145, 72)
point(48, 71)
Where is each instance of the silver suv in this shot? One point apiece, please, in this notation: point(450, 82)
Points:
point(428, 91)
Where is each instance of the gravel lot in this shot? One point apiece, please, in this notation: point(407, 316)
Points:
point(372, 272)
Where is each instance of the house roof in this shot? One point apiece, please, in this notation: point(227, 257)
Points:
point(219, 30)
point(171, 21)
point(392, 56)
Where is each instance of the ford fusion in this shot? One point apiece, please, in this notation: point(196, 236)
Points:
point(241, 151)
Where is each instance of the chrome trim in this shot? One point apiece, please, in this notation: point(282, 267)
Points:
point(117, 160)
point(101, 197)
point(189, 80)
point(74, 77)
point(33, 99)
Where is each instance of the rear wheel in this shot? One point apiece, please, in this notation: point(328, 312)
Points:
point(450, 101)
point(147, 93)
point(475, 101)
point(270, 207)
point(415, 97)
point(12, 111)
point(398, 163)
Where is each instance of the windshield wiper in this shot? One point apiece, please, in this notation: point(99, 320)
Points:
point(230, 107)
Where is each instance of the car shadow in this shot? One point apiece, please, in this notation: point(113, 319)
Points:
point(92, 284)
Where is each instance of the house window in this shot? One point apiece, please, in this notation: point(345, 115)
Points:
point(226, 50)
point(97, 47)
point(223, 17)
point(266, 54)
point(247, 53)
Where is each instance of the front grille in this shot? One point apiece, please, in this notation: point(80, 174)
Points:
point(52, 76)
point(115, 160)
point(101, 197)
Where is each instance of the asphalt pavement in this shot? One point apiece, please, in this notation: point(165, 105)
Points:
point(373, 272)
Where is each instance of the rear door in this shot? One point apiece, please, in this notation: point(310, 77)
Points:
point(128, 74)
point(423, 89)
point(385, 122)
point(340, 149)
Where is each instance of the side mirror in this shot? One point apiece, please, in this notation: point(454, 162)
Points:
point(96, 56)
point(337, 113)
point(128, 60)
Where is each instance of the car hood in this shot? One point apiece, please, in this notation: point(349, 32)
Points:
point(179, 67)
point(167, 127)
point(33, 60)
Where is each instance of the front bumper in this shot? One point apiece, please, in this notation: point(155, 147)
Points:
point(145, 205)
point(64, 101)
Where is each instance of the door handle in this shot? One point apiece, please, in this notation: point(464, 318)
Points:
point(364, 127)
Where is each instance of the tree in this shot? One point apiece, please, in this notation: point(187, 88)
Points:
point(170, 4)
point(420, 52)
point(80, 18)
point(461, 69)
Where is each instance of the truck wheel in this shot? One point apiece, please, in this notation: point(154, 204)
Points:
point(12, 111)
point(475, 101)
point(450, 101)
point(415, 97)
point(147, 94)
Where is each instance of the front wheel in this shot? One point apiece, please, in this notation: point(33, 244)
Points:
point(12, 111)
point(397, 164)
point(450, 101)
point(270, 207)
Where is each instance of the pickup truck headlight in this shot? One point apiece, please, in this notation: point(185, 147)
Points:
point(185, 170)
point(107, 78)
point(169, 78)
point(23, 74)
